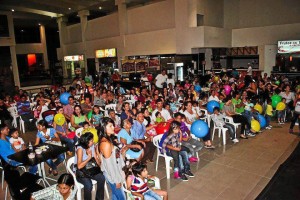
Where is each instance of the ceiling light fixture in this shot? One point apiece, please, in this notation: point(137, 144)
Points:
point(39, 24)
point(100, 8)
point(12, 10)
point(70, 8)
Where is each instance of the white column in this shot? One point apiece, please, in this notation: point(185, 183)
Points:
point(267, 57)
point(208, 57)
point(44, 46)
point(192, 14)
point(84, 23)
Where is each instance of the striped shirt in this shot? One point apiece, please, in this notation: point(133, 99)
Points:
point(139, 185)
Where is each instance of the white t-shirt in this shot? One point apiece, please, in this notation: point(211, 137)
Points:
point(171, 81)
point(146, 80)
point(160, 79)
point(164, 113)
point(44, 108)
point(211, 98)
point(17, 143)
point(249, 71)
point(190, 117)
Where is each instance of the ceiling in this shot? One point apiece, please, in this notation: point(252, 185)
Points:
point(33, 12)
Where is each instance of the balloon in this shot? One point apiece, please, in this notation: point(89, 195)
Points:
point(275, 100)
point(259, 108)
point(89, 84)
point(150, 77)
point(277, 82)
point(211, 105)
point(59, 119)
point(199, 128)
point(93, 131)
point(216, 78)
point(227, 89)
point(221, 105)
point(64, 98)
point(280, 106)
point(198, 88)
point(262, 121)
point(89, 114)
point(255, 125)
point(162, 127)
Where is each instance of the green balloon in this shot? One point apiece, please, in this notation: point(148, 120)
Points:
point(87, 80)
point(275, 100)
point(277, 82)
point(221, 105)
point(89, 115)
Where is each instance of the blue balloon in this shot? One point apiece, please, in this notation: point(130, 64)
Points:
point(199, 128)
point(211, 105)
point(64, 98)
point(262, 121)
point(198, 88)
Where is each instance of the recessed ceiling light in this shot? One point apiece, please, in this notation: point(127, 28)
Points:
point(100, 8)
point(39, 24)
point(70, 8)
point(12, 10)
point(22, 30)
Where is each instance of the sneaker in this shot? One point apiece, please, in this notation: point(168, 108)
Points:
point(189, 173)
point(176, 175)
point(291, 131)
point(193, 159)
point(250, 134)
point(184, 178)
point(235, 140)
point(268, 128)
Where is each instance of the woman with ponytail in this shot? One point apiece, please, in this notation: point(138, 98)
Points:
point(112, 159)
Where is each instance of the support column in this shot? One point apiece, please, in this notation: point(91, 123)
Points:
point(267, 58)
point(84, 23)
point(192, 14)
point(208, 57)
point(61, 21)
point(44, 46)
point(123, 28)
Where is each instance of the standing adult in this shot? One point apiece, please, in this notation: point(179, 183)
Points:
point(161, 79)
point(112, 159)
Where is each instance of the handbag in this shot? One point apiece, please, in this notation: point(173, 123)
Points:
point(89, 170)
point(136, 149)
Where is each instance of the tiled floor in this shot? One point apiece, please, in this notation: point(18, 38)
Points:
point(234, 171)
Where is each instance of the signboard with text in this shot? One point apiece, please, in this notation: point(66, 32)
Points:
point(106, 53)
point(289, 46)
point(73, 58)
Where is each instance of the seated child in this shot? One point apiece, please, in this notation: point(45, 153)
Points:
point(138, 182)
point(16, 142)
point(159, 117)
point(218, 118)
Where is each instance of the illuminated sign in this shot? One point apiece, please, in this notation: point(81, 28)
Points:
point(73, 58)
point(106, 53)
point(289, 46)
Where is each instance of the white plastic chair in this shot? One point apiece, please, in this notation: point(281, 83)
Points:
point(79, 185)
point(221, 130)
point(230, 121)
point(111, 106)
point(14, 113)
point(22, 124)
point(131, 103)
point(78, 132)
point(168, 159)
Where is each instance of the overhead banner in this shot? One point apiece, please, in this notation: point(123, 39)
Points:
point(106, 53)
point(290, 46)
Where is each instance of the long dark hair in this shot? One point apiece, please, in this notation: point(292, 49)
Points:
point(81, 112)
point(43, 123)
point(66, 179)
point(84, 140)
point(102, 131)
point(173, 125)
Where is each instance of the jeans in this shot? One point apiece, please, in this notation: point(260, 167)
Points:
point(88, 186)
point(31, 169)
point(69, 142)
point(231, 131)
point(182, 164)
point(193, 145)
point(207, 137)
point(268, 119)
point(150, 195)
point(60, 158)
point(117, 193)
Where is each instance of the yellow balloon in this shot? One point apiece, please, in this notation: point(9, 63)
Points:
point(59, 119)
point(259, 108)
point(280, 106)
point(94, 132)
point(216, 78)
point(255, 125)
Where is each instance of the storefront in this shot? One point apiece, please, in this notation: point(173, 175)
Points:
point(107, 60)
point(74, 66)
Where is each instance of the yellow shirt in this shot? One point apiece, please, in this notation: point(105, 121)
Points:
point(269, 110)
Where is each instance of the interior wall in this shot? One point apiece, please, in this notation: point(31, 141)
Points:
point(103, 27)
point(213, 11)
point(73, 34)
point(258, 13)
point(152, 17)
point(29, 48)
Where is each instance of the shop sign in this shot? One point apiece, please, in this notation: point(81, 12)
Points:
point(289, 46)
point(73, 58)
point(106, 53)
